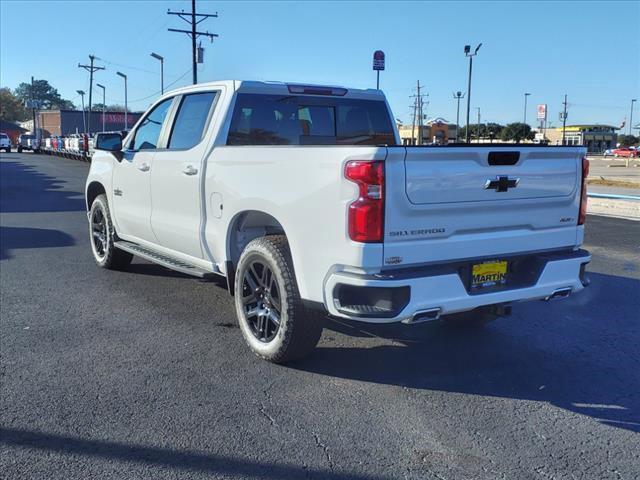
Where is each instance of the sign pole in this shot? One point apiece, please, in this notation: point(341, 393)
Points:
point(378, 80)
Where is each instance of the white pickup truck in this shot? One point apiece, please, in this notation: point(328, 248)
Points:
point(305, 200)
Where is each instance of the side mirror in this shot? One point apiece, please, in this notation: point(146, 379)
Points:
point(110, 142)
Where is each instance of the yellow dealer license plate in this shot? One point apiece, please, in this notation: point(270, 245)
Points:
point(490, 273)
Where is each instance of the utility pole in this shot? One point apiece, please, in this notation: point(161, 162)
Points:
point(467, 52)
point(91, 69)
point(478, 124)
point(419, 103)
point(413, 125)
point(525, 108)
point(633, 100)
point(458, 96)
point(564, 118)
point(194, 19)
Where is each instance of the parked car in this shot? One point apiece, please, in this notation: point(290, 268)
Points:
point(608, 152)
point(625, 152)
point(5, 142)
point(26, 142)
point(305, 200)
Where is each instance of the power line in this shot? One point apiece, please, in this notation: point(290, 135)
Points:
point(157, 92)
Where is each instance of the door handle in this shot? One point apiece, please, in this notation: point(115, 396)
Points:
point(189, 170)
point(144, 167)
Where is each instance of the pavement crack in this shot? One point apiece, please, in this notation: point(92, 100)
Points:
point(325, 449)
point(264, 412)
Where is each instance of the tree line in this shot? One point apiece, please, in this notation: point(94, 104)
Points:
point(517, 132)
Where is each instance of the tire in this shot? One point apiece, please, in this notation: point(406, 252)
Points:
point(266, 290)
point(102, 235)
point(19, 150)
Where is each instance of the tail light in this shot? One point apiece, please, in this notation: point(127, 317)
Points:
point(366, 214)
point(583, 198)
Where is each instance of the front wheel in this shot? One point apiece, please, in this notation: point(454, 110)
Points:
point(102, 234)
point(273, 320)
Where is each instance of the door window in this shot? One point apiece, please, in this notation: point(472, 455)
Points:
point(148, 132)
point(191, 120)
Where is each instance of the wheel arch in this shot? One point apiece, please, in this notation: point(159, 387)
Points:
point(244, 227)
point(94, 189)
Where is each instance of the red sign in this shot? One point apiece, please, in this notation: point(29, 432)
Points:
point(378, 60)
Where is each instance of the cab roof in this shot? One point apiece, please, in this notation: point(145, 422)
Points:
point(283, 88)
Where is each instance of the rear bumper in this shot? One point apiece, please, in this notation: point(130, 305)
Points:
point(441, 289)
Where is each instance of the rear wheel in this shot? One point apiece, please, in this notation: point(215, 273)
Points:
point(273, 320)
point(102, 234)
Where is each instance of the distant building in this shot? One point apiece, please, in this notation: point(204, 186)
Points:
point(65, 122)
point(597, 138)
point(435, 131)
point(12, 130)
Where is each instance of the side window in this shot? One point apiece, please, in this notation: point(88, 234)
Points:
point(148, 133)
point(264, 120)
point(191, 120)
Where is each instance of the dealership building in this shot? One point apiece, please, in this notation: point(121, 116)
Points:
point(66, 122)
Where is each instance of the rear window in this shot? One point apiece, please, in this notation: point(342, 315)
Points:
point(307, 120)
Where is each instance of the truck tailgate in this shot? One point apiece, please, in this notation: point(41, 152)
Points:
point(451, 203)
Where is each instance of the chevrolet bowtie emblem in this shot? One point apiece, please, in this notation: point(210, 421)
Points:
point(501, 184)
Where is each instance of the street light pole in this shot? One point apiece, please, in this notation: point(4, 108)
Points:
point(161, 58)
point(467, 52)
point(564, 119)
point(457, 96)
point(103, 104)
point(126, 123)
point(525, 108)
point(633, 100)
point(84, 121)
point(478, 124)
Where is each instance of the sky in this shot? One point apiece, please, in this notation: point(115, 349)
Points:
point(589, 50)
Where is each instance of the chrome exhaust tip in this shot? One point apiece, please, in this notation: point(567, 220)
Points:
point(559, 293)
point(429, 315)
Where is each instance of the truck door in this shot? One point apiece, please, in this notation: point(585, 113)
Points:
point(177, 175)
point(131, 176)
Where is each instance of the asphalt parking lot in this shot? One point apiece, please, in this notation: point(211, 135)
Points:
point(143, 374)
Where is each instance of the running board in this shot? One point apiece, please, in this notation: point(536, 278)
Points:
point(162, 259)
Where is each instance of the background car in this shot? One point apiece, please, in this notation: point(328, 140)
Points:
point(5, 142)
point(26, 142)
point(625, 152)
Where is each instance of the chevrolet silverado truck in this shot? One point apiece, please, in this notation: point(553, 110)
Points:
point(304, 198)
